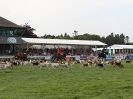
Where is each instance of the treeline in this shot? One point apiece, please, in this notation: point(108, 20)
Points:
point(110, 39)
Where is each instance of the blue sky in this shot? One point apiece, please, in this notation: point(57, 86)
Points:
point(54, 17)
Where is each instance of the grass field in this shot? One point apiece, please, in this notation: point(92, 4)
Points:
point(67, 83)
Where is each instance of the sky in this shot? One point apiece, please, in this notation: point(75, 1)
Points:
point(54, 17)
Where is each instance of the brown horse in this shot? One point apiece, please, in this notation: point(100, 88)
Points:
point(21, 56)
point(61, 56)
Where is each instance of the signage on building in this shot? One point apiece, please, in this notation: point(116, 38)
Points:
point(12, 40)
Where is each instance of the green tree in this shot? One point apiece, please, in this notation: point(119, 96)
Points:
point(126, 39)
point(29, 31)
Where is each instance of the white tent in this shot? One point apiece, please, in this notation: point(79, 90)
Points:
point(120, 49)
point(62, 42)
point(115, 46)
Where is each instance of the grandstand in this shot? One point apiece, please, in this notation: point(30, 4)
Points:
point(13, 41)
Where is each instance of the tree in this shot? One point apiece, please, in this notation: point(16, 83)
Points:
point(66, 36)
point(29, 31)
point(114, 39)
point(122, 38)
point(48, 36)
point(126, 39)
point(110, 39)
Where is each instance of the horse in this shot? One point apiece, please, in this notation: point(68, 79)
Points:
point(21, 56)
point(102, 56)
point(61, 56)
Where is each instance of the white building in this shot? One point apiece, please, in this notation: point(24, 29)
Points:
point(120, 49)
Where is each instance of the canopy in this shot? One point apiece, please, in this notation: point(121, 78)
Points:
point(61, 41)
point(120, 47)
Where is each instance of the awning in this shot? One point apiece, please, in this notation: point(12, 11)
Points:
point(62, 41)
point(115, 46)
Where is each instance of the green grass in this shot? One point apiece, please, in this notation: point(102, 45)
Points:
point(67, 83)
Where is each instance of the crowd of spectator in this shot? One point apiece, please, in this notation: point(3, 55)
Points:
point(49, 52)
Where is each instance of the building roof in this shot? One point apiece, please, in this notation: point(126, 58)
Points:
point(6, 23)
point(115, 46)
point(62, 41)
